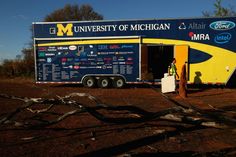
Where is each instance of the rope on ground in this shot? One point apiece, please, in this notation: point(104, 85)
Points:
point(179, 113)
point(217, 119)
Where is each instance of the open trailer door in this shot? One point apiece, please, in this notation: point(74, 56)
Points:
point(181, 56)
point(145, 74)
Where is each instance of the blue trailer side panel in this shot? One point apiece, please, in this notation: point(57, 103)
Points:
point(69, 63)
point(211, 41)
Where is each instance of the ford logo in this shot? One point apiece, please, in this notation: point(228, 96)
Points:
point(222, 38)
point(222, 25)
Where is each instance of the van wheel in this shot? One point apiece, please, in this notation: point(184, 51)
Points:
point(118, 82)
point(103, 82)
point(89, 82)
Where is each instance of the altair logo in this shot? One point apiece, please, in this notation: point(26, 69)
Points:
point(222, 25)
point(222, 38)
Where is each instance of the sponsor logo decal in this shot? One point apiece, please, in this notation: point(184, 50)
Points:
point(128, 63)
point(77, 59)
point(102, 47)
point(69, 59)
point(127, 46)
point(64, 59)
point(222, 25)
point(197, 37)
point(76, 67)
point(49, 60)
point(50, 54)
point(42, 48)
point(195, 25)
point(62, 48)
point(52, 30)
point(114, 46)
point(222, 38)
point(81, 48)
point(92, 54)
point(41, 54)
point(52, 48)
point(129, 58)
point(41, 60)
point(182, 26)
point(100, 63)
point(72, 47)
point(192, 25)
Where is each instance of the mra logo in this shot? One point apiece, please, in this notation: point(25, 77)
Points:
point(195, 36)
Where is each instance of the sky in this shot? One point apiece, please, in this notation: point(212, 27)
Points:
point(17, 15)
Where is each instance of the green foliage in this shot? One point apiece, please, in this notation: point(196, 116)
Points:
point(220, 11)
point(73, 13)
point(18, 67)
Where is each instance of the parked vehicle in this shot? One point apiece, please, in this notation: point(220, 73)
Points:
point(113, 53)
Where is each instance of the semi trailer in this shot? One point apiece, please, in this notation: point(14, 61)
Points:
point(113, 53)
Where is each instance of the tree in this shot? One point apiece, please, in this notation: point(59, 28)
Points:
point(220, 11)
point(73, 13)
point(67, 13)
point(28, 61)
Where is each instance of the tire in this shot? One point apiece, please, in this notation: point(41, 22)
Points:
point(103, 82)
point(118, 82)
point(89, 82)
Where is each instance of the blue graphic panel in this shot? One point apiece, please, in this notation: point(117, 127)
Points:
point(71, 62)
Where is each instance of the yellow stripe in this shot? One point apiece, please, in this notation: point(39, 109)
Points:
point(100, 41)
point(212, 70)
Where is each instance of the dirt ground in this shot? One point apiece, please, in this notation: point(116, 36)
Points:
point(85, 135)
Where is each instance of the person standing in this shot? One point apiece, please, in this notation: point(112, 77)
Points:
point(173, 69)
point(183, 82)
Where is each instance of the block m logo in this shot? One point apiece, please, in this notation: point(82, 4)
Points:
point(61, 30)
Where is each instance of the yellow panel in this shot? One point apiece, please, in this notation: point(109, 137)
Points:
point(217, 69)
point(181, 56)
